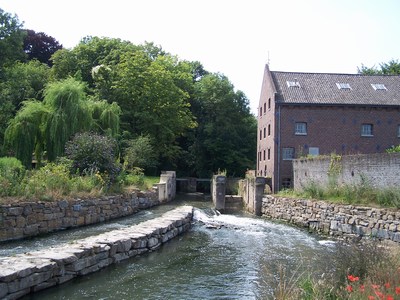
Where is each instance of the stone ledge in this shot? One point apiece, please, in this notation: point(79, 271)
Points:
point(26, 273)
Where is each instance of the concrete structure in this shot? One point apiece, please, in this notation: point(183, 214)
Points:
point(380, 170)
point(167, 186)
point(249, 194)
point(34, 271)
point(218, 186)
point(252, 192)
point(303, 114)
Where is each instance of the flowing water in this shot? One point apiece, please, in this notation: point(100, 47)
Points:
point(222, 257)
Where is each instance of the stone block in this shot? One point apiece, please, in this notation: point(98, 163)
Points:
point(3, 289)
point(15, 211)
point(124, 245)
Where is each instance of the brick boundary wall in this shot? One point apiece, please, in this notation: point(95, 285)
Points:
point(379, 170)
point(27, 219)
point(345, 221)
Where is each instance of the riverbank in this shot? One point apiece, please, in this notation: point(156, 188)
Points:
point(345, 221)
point(34, 271)
point(27, 219)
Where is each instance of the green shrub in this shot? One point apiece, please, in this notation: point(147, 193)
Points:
point(50, 182)
point(11, 174)
point(91, 153)
point(313, 190)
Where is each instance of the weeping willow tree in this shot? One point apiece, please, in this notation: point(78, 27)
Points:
point(25, 132)
point(64, 112)
point(106, 117)
point(69, 114)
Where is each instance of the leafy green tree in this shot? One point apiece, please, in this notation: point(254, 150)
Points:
point(25, 132)
point(88, 54)
point(390, 68)
point(226, 135)
point(68, 114)
point(22, 81)
point(11, 39)
point(140, 154)
point(48, 125)
point(40, 46)
point(152, 101)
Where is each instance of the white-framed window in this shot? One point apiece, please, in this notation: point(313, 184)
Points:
point(398, 131)
point(293, 84)
point(379, 86)
point(313, 151)
point(300, 128)
point(288, 153)
point(367, 130)
point(343, 86)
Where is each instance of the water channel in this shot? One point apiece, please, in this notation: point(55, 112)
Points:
point(228, 256)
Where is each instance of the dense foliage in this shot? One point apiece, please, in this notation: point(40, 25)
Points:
point(91, 153)
point(165, 113)
point(390, 68)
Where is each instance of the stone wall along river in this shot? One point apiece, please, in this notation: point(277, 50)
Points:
point(34, 271)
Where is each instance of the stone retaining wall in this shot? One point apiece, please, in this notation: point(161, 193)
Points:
point(346, 221)
point(28, 219)
point(34, 271)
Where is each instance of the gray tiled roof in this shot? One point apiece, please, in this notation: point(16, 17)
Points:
point(321, 88)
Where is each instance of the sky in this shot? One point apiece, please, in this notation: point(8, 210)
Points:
point(233, 37)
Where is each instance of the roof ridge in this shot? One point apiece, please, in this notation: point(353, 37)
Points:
point(346, 74)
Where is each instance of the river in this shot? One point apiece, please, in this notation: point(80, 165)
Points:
point(223, 256)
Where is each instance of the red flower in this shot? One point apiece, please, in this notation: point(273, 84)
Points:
point(371, 298)
point(362, 288)
point(387, 285)
point(349, 288)
point(397, 290)
point(352, 278)
point(375, 286)
point(380, 295)
point(389, 297)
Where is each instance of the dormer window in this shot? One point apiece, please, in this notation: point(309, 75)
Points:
point(293, 83)
point(343, 86)
point(379, 86)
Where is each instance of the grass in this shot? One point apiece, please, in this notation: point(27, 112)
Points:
point(359, 271)
point(361, 193)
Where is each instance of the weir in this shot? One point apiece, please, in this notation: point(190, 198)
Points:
point(34, 271)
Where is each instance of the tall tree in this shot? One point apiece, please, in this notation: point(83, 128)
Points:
point(48, 125)
point(21, 82)
point(11, 39)
point(226, 135)
point(390, 68)
point(40, 46)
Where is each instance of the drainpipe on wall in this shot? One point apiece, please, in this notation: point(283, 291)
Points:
point(279, 148)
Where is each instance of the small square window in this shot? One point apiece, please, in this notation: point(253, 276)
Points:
point(300, 128)
point(313, 151)
point(288, 153)
point(367, 130)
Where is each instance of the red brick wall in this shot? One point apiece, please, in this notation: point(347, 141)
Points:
point(266, 167)
point(337, 130)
